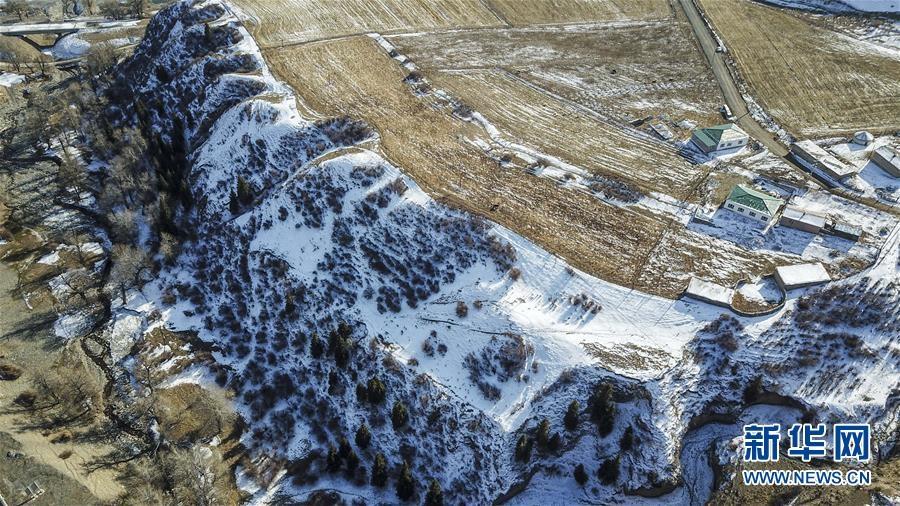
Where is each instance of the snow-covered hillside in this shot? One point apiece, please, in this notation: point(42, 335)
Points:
point(319, 268)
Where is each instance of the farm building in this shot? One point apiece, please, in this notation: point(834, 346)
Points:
point(846, 231)
point(719, 137)
point(753, 204)
point(710, 292)
point(815, 157)
point(790, 277)
point(794, 217)
point(887, 159)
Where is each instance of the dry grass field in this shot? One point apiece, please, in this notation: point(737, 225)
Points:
point(275, 22)
point(565, 131)
point(524, 12)
point(355, 77)
point(622, 70)
point(814, 81)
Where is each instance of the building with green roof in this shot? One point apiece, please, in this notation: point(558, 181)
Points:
point(719, 137)
point(753, 204)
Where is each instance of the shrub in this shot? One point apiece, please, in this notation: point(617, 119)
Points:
point(571, 418)
point(9, 372)
point(515, 273)
point(462, 309)
point(26, 399)
point(580, 474)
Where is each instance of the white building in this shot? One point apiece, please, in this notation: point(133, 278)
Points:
point(887, 159)
point(802, 275)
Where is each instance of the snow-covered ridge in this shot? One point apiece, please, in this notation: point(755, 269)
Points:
point(477, 330)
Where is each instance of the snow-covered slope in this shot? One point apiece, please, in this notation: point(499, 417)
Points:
point(477, 331)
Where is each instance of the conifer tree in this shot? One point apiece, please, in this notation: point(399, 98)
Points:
point(435, 496)
point(571, 418)
point(399, 415)
point(363, 436)
point(406, 485)
point(379, 471)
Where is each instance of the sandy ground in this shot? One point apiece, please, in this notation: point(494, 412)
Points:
point(29, 350)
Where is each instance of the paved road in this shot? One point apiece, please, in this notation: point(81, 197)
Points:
point(726, 82)
point(64, 27)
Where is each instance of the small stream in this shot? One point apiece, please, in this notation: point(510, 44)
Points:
point(699, 446)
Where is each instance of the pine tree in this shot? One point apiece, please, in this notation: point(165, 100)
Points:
point(435, 496)
point(352, 461)
point(376, 391)
point(244, 192)
point(580, 474)
point(603, 408)
point(609, 471)
point(362, 395)
point(333, 460)
point(571, 418)
point(379, 471)
point(344, 447)
point(339, 346)
point(523, 448)
point(543, 433)
point(363, 436)
point(555, 442)
point(399, 415)
point(316, 347)
point(233, 205)
point(627, 440)
point(406, 486)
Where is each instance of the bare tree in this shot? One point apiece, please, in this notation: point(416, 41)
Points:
point(66, 393)
point(18, 8)
point(198, 476)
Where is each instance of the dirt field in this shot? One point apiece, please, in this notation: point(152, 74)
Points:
point(355, 77)
point(522, 12)
point(622, 70)
point(275, 22)
point(56, 466)
point(814, 81)
point(565, 131)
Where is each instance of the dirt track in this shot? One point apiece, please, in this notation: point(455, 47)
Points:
point(729, 89)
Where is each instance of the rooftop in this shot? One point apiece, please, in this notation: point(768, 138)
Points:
point(754, 199)
point(711, 136)
point(798, 214)
point(825, 158)
point(889, 154)
point(803, 274)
